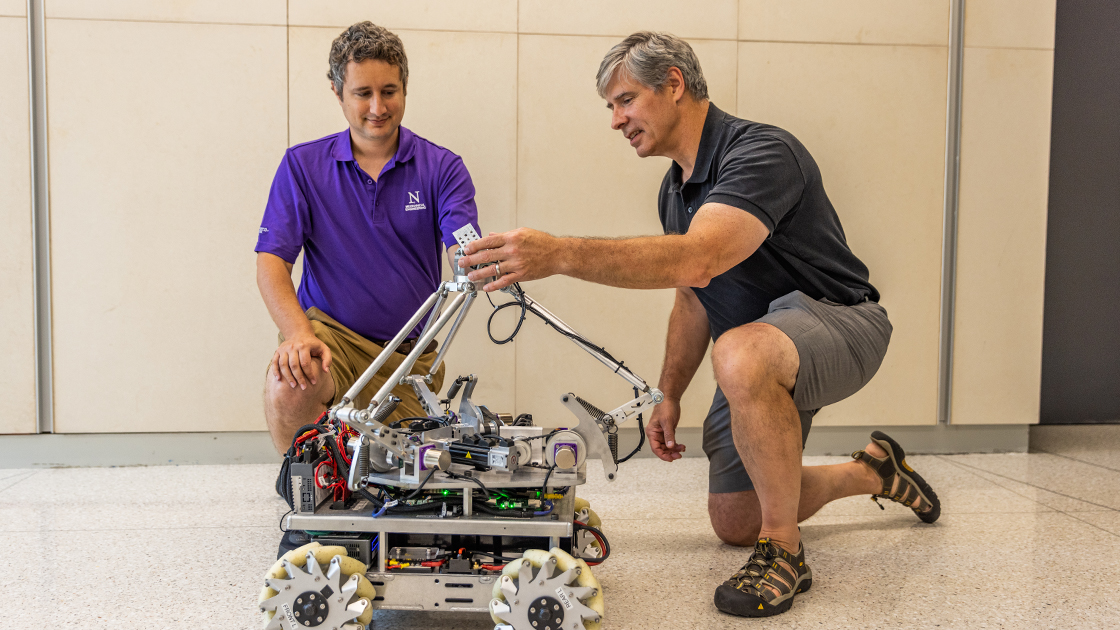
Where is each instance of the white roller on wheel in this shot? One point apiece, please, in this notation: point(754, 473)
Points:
point(359, 598)
point(551, 588)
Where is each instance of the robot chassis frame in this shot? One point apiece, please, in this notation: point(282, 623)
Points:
point(386, 457)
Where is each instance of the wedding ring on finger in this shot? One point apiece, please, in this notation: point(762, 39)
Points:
point(497, 270)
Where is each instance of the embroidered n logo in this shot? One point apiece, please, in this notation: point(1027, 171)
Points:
point(414, 197)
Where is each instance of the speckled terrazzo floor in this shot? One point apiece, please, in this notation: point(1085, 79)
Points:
point(1025, 541)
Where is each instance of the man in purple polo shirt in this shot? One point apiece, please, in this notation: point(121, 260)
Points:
point(373, 209)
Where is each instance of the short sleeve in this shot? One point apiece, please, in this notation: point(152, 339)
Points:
point(760, 176)
point(286, 221)
point(456, 200)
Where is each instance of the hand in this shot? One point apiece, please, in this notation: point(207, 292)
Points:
point(523, 254)
point(662, 430)
point(293, 360)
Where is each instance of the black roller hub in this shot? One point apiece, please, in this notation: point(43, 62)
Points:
point(310, 609)
point(546, 613)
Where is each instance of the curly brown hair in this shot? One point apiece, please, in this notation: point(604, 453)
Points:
point(363, 41)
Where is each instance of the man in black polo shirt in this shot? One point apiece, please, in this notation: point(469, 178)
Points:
point(761, 266)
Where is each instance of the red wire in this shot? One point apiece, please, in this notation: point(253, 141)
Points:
point(602, 548)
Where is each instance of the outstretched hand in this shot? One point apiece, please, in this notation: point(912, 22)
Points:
point(521, 255)
point(662, 430)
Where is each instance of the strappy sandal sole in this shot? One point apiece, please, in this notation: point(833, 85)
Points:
point(898, 456)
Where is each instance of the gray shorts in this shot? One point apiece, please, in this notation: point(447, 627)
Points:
point(840, 348)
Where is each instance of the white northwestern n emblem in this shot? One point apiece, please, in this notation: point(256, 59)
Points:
point(414, 197)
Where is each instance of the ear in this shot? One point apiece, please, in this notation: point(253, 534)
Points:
point(675, 82)
point(334, 91)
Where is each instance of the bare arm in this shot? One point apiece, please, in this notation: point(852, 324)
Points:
point(274, 279)
point(685, 345)
point(293, 359)
point(719, 238)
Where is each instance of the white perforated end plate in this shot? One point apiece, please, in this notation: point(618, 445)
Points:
point(465, 235)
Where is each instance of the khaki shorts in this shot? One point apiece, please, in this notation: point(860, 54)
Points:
point(352, 353)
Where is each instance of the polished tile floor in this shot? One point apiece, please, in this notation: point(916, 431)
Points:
point(1024, 541)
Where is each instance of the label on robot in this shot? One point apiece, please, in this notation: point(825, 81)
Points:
point(288, 615)
point(465, 235)
point(563, 598)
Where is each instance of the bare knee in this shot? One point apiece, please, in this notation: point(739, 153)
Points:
point(736, 517)
point(287, 408)
point(752, 357)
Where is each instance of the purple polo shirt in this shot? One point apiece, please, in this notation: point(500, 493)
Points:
point(372, 250)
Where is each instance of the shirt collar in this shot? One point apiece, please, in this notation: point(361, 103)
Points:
point(709, 137)
point(343, 152)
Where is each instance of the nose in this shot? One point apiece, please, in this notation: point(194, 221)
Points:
point(377, 105)
point(618, 119)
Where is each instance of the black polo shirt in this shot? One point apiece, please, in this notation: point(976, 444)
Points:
point(765, 171)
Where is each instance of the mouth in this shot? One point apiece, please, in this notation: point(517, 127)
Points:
point(633, 137)
point(377, 122)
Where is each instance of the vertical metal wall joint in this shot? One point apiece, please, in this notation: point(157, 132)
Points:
point(952, 202)
point(40, 215)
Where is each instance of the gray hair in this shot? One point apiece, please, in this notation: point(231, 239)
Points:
point(361, 42)
point(646, 57)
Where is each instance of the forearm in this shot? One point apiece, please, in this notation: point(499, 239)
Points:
point(685, 345)
point(274, 279)
point(644, 262)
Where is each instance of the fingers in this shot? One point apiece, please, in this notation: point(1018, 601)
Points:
point(657, 443)
point(296, 369)
point(282, 364)
point(307, 366)
point(487, 242)
point(276, 366)
point(506, 280)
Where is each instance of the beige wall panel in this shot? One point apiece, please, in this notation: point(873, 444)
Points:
point(874, 119)
point(453, 15)
point(1005, 151)
point(442, 66)
point(709, 19)
point(15, 8)
point(1009, 23)
point(221, 11)
point(159, 175)
point(17, 333)
point(577, 176)
point(919, 22)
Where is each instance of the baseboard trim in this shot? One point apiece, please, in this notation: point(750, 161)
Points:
point(62, 450)
point(81, 450)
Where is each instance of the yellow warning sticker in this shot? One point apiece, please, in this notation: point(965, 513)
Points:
point(468, 455)
point(760, 606)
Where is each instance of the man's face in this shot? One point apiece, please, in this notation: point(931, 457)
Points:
point(647, 118)
point(373, 99)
